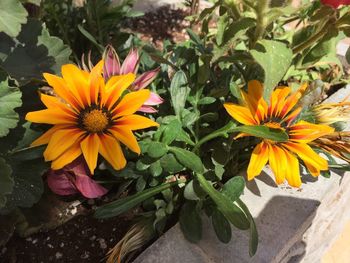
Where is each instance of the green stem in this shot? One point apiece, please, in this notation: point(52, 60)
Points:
point(230, 127)
point(260, 21)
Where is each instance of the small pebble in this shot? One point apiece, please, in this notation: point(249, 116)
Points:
point(58, 255)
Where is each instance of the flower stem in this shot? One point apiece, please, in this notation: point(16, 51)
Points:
point(230, 127)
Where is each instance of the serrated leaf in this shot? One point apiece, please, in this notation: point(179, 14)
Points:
point(12, 16)
point(6, 181)
point(10, 98)
point(190, 222)
point(188, 159)
point(274, 58)
point(56, 49)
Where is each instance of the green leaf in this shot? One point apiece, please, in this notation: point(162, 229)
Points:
point(122, 205)
point(238, 28)
point(12, 15)
point(90, 37)
point(171, 131)
point(275, 58)
point(28, 186)
point(191, 222)
point(221, 226)
point(170, 164)
point(179, 91)
point(56, 49)
point(254, 238)
point(206, 101)
point(195, 38)
point(234, 187)
point(6, 181)
point(188, 159)
point(189, 192)
point(231, 211)
point(10, 98)
point(156, 169)
point(156, 149)
point(264, 132)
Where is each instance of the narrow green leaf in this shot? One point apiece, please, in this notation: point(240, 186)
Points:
point(221, 226)
point(264, 132)
point(254, 238)
point(191, 222)
point(156, 169)
point(122, 205)
point(188, 159)
point(230, 210)
point(90, 37)
point(179, 91)
point(170, 164)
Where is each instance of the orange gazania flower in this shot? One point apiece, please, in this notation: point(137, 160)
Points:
point(280, 114)
point(90, 117)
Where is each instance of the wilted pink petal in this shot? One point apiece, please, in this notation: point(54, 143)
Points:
point(61, 182)
point(154, 99)
point(145, 79)
point(88, 187)
point(147, 109)
point(74, 178)
point(131, 62)
point(111, 65)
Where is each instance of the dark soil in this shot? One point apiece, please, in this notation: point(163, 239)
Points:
point(82, 239)
point(161, 24)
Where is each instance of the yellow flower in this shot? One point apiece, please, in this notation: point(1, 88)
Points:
point(90, 117)
point(280, 114)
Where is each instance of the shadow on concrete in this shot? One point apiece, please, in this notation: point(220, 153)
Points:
point(281, 225)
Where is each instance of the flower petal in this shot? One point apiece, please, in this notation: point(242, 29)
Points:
point(145, 79)
point(126, 137)
point(258, 160)
point(67, 157)
point(111, 65)
point(131, 62)
point(292, 172)
point(115, 88)
point(88, 187)
point(305, 153)
point(52, 102)
point(77, 83)
point(154, 99)
point(135, 122)
point(60, 141)
point(110, 150)
point(45, 138)
point(61, 182)
point(147, 109)
point(60, 88)
point(240, 114)
point(305, 132)
point(89, 146)
point(278, 163)
point(50, 116)
point(131, 103)
point(95, 81)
